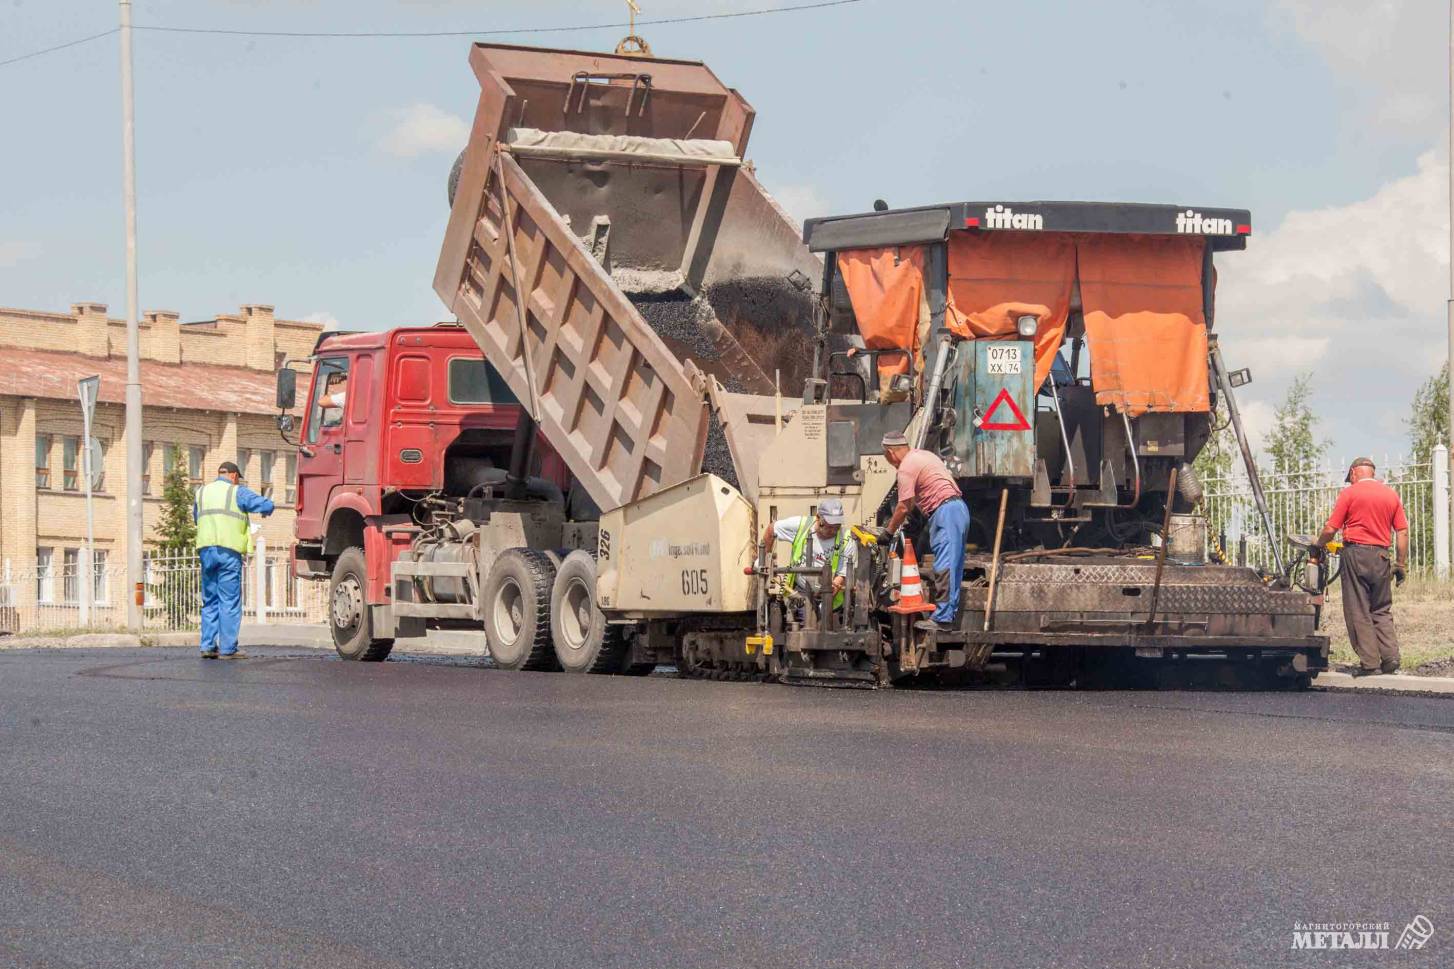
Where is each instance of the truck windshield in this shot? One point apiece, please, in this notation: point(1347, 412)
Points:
point(473, 381)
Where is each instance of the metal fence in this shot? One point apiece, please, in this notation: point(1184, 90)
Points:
point(1299, 503)
point(53, 598)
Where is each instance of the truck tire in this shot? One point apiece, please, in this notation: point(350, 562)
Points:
point(349, 618)
point(584, 642)
point(517, 610)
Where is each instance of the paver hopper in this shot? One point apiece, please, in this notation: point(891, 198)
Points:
point(613, 253)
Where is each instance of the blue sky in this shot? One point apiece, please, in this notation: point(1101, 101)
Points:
point(309, 173)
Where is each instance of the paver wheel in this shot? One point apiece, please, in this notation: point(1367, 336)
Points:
point(517, 610)
point(584, 642)
point(349, 618)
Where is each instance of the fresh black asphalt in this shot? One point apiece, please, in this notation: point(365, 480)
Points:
point(291, 810)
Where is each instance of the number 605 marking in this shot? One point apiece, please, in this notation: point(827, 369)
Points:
point(694, 582)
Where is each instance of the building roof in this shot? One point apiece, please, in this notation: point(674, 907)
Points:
point(53, 374)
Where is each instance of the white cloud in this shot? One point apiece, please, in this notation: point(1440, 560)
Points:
point(13, 253)
point(328, 320)
point(1366, 275)
point(1394, 52)
point(424, 129)
point(1258, 419)
point(800, 201)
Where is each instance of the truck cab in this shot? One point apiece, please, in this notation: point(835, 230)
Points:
point(392, 419)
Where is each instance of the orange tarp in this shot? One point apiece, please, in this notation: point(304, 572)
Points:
point(1144, 324)
point(1038, 270)
point(886, 288)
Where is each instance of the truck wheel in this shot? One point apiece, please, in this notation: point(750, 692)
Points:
point(349, 618)
point(517, 610)
point(584, 642)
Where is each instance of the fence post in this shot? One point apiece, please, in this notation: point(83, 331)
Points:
point(260, 581)
point(1441, 511)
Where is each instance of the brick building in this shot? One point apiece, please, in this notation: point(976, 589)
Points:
point(207, 391)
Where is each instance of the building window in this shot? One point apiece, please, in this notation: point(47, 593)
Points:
point(70, 462)
point(244, 463)
point(100, 579)
point(290, 483)
point(42, 461)
point(147, 449)
point(45, 575)
point(195, 456)
point(266, 460)
point(71, 575)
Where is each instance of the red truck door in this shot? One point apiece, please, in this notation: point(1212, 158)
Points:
point(320, 459)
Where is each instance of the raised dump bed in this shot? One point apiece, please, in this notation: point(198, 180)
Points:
point(612, 192)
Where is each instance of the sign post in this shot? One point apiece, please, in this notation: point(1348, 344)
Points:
point(88, 389)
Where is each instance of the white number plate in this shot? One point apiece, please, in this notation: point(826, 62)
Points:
point(1004, 360)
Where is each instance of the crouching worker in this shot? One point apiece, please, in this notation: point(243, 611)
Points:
point(816, 539)
point(223, 539)
point(926, 484)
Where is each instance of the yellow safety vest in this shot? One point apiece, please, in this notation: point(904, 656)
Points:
point(219, 520)
point(800, 555)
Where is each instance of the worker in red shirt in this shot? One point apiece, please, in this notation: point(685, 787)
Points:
point(925, 484)
point(1366, 512)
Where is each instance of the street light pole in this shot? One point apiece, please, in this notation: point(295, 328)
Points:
point(133, 336)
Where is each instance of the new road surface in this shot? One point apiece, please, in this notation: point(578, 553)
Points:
point(291, 810)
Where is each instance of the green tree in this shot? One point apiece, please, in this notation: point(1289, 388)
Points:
point(176, 531)
point(1293, 447)
point(176, 591)
point(1428, 419)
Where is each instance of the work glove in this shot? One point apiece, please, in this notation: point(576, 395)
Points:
point(882, 535)
point(1399, 574)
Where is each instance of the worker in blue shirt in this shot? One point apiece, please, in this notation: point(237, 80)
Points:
point(221, 512)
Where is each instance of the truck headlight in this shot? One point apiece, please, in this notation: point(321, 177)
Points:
point(1027, 325)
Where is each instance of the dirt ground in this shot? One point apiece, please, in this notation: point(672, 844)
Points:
point(1423, 613)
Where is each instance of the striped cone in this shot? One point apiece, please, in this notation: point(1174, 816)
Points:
point(911, 591)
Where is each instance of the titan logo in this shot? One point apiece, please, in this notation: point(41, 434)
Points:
point(1000, 217)
point(1192, 222)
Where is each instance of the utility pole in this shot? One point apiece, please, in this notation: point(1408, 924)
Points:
point(1449, 306)
point(134, 578)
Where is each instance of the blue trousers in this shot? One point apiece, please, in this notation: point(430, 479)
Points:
point(947, 528)
point(221, 598)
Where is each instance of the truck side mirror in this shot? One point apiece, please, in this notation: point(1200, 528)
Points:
point(287, 388)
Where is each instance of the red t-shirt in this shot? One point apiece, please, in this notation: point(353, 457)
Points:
point(1366, 511)
point(923, 476)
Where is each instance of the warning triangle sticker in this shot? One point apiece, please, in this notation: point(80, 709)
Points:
point(989, 423)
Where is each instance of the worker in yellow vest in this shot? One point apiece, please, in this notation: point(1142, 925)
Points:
point(816, 539)
point(221, 512)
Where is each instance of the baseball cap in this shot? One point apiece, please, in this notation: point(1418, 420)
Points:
point(895, 439)
point(831, 511)
point(227, 467)
point(1359, 463)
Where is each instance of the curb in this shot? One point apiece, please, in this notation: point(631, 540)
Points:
point(1385, 683)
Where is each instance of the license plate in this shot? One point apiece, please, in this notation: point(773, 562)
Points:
point(1004, 361)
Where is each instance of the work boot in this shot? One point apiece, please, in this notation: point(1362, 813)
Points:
point(1365, 671)
point(209, 653)
point(1388, 666)
point(238, 654)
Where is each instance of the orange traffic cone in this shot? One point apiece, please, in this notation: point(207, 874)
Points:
point(911, 591)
